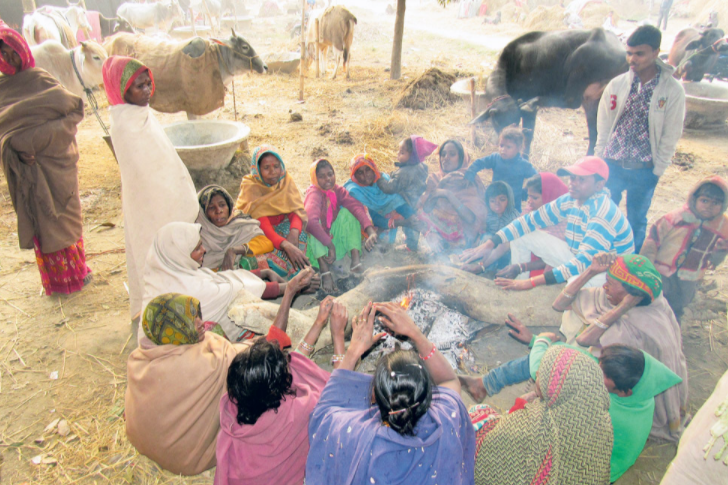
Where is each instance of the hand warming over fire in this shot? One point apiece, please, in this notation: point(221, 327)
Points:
point(396, 319)
point(339, 318)
point(362, 337)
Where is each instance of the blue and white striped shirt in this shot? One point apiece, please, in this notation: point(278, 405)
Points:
point(597, 226)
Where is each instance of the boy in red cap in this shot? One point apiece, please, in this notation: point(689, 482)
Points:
point(594, 224)
point(639, 123)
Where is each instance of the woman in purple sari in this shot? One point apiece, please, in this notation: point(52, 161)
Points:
point(405, 424)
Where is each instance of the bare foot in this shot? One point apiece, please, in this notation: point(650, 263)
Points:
point(474, 386)
point(328, 284)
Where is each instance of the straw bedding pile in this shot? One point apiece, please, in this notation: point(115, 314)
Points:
point(545, 18)
point(513, 13)
point(700, 9)
point(430, 90)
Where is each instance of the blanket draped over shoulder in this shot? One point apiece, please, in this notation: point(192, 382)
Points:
point(183, 82)
point(38, 117)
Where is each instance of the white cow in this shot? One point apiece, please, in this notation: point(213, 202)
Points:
point(56, 59)
point(146, 15)
point(55, 23)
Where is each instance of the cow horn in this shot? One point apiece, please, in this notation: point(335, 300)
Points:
point(484, 116)
point(233, 31)
point(529, 106)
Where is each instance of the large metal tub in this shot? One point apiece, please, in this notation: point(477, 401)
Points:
point(462, 89)
point(206, 144)
point(706, 105)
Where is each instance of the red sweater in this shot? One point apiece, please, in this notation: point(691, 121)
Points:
point(315, 204)
point(267, 223)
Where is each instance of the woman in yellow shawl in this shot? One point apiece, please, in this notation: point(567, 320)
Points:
point(270, 195)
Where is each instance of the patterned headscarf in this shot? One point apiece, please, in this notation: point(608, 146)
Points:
point(20, 46)
point(638, 272)
point(170, 319)
point(563, 438)
point(119, 73)
point(359, 161)
point(421, 149)
point(259, 153)
point(332, 200)
point(207, 193)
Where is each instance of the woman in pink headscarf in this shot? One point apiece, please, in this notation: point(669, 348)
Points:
point(39, 155)
point(156, 187)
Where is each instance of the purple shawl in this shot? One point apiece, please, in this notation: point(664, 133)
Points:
point(350, 445)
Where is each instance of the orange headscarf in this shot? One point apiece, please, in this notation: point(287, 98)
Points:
point(361, 160)
point(332, 200)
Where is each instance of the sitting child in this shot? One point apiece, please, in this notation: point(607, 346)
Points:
point(386, 211)
point(686, 242)
point(508, 164)
point(335, 220)
point(410, 178)
point(501, 211)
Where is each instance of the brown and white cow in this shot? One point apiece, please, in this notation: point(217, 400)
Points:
point(336, 26)
point(695, 53)
point(89, 57)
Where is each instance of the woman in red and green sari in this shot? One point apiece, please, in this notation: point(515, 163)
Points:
point(39, 155)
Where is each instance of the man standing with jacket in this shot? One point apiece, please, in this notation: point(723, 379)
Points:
point(640, 121)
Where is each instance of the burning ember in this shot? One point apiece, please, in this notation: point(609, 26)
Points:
point(447, 329)
point(407, 298)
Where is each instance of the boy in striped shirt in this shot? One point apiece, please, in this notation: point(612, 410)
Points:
point(594, 224)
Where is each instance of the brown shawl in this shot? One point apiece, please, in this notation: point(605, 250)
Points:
point(172, 401)
point(39, 117)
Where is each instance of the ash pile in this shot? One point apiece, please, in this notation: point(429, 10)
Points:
point(448, 329)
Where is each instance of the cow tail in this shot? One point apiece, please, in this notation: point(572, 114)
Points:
point(349, 39)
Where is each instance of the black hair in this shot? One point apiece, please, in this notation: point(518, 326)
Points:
point(623, 364)
point(646, 34)
point(409, 145)
point(513, 134)
point(495, 189)
point(534, 183)
point(646, 299)
point(711, 191)
point(323, 164)
point(458, 146)
point(258, 380)
point(402, 387)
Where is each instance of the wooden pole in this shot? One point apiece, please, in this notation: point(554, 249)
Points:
point(29, 6)
point(302, 66)
point(318, 39)
point(396, 65)
point(473, 111)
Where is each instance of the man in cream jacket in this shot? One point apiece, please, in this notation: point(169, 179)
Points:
point(640, 121)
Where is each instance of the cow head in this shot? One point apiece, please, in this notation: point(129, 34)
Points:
point(92, 59)
point(76, 16)
point(705, 49)
point(502, 111)
point(244, 58)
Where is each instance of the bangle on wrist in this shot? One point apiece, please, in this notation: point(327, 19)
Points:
point(523, 267)
point(337, 358)
point(432, 352)
point(533, 282)
point(568, 295)
point(482, 266)
point(600, 324)
point(304, 346)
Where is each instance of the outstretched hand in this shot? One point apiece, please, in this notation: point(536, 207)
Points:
point(518, 330)
point(301, 280)
point(325, 310)
point(339, 318)
point(362, 325)
point(602, 262)
point(396, 319)
point(514, 285)
point(473, 254)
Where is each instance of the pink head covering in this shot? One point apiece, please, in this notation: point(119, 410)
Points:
point(422, 149)
point(119, 72)
point(551, 187)
point(19, 45)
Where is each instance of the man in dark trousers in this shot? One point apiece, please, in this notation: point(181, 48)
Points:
point(665, 7)
point(640, 121)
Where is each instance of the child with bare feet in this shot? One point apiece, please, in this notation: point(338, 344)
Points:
point(335, 220)
point(388, 211)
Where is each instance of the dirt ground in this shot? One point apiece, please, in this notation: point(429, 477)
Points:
point(65, 357)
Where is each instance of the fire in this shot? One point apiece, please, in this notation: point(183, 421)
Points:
point(407, 300)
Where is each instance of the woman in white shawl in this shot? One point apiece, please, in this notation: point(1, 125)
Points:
point(156, 187)
point(174, 266)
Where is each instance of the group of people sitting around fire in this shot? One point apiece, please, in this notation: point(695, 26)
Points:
point(204, 391)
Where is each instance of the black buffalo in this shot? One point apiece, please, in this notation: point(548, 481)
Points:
point(695, 53)
point(564, 69)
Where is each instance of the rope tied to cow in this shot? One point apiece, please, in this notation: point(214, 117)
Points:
point(89, 94)
point(499, 98)
point(696, 52)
